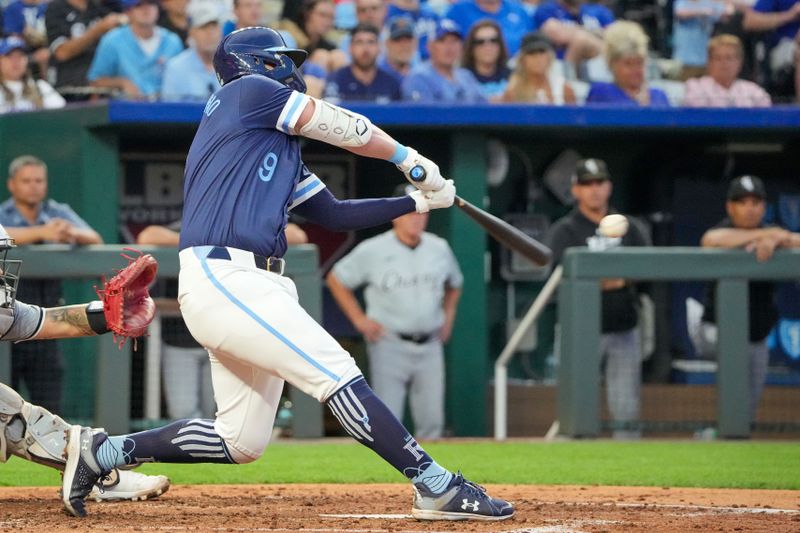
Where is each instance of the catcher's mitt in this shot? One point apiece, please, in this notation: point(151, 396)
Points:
point(127, 305)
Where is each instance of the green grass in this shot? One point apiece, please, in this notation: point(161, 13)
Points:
point(677, 464)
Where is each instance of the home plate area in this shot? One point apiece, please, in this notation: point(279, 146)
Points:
point(386, 507)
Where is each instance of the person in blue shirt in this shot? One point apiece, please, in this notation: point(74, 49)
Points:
point(400, 47)
point(30, 217)
point(363, 79)
point(575, 28)
point(247, 13)
point(244, 175)
point(132, 58)
point(626, 53)
point(780, 19)
point(509, 15)
point(425, 20)
point(190, 76)
point(485, 55)
point(694, 23)
point(441, 79)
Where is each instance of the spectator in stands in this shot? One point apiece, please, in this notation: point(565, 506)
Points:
point(626, 53)
point(425, 20)
point(173, 15)
point(722, 86)
point(620, 343)
point(508, 14)
point(744, 228)
point(575, 27)
point(19, 91)
point(486, 56)
point(131, 59)
point(185, 364)
point(441, 79)
point(25, 19)
point(74, 27)
point(781, 18)
point(400, 47)
point(370, 13)
point(533, 81)
point(247, 13)
point(694, 23)
point(190, 75)
point(363, 80)
point(31, 218)
point(310, 31)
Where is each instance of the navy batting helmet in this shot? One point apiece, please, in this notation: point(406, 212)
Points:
point(261, 51)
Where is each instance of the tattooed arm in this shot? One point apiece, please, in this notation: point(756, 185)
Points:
point(65, 322)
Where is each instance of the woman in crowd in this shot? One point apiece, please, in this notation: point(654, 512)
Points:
point(532, 80)
point(626, 54)
point(314, 23)
point(485, 55)
point(19, 91)
point(722, 87)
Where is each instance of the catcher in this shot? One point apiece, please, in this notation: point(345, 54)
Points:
point(32, 432)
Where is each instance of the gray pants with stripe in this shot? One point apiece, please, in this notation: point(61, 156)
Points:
point(622, 356)
point(187, 382)
point(399, 367)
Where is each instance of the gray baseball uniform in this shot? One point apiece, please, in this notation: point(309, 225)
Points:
point(20, 323)
point(404, 289)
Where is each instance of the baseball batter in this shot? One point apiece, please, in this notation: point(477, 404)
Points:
point(244, 173)
point(30, 431)
point(412, 284)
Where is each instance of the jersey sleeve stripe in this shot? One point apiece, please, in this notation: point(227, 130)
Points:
point(291, 112)
point(306, 189)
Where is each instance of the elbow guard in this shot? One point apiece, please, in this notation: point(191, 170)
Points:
point(337, 126)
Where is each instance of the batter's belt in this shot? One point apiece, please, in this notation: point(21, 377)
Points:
point(270, 264)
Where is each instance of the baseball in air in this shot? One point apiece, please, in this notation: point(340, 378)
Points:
point(613, 226)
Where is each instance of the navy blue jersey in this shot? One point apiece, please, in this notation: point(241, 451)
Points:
point(244, 169)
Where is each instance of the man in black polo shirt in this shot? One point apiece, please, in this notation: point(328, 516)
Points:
point(620, 342)
point(74, 28)
point(744, 228)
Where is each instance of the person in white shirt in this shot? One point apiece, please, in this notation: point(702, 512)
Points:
point(19, 91)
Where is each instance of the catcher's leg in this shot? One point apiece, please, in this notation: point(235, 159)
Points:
point(35, 434)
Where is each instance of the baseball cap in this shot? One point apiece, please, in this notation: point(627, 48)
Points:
point(746, 186)
point(9, 44)
point(400, 27)
point(128, 4)
point(534, 42)
point(587, 170)
point(202, 13)
point(446, 27)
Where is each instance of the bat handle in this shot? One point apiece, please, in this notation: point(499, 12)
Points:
point(417, 173)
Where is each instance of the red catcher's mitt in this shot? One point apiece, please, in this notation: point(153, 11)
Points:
point(127, 304)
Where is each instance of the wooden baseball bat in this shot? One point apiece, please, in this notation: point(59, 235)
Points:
point(506, 234)
point(503, 232)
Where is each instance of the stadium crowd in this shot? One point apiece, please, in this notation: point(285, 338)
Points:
point(720, 53)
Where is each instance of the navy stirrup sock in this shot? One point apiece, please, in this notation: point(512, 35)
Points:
point(184, 441)
point(367, 419)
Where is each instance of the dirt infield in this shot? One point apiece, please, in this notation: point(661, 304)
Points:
point(333, 508)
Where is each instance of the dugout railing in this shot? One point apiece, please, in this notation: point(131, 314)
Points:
point(107, 384)
point(579, 319)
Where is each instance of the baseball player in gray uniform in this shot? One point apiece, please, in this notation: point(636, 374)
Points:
point(412, 284)
point(31, 431)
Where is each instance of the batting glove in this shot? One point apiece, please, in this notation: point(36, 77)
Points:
point(433, 180)
point(427, 200)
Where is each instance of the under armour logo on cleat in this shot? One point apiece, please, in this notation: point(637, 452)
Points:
point(466, 505)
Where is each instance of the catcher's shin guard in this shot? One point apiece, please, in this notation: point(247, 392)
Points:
point(30, 431)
